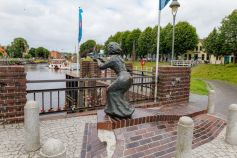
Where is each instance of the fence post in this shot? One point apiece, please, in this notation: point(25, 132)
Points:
point(184, 138)
point(231, 130)
point(31, 123)
point(211, 100)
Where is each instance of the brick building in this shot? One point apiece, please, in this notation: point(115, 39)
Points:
point(3, 53)
point(55, 55)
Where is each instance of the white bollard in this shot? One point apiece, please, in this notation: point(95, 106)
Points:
point(53, 148)
point(32, 129)
point(211, 102)
point(184, 138)
point(231, 130)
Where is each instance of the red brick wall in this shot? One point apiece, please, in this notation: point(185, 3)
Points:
point(89, 69)
point(174, 85)
point(12, 93)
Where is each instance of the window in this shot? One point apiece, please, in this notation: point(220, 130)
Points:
point(203, 57)
point(189, 57)
point(208, 58)
point(196, 57)
point(200, 48)
point(216, 57)
point(185, 57)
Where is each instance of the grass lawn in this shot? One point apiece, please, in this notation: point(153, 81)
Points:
point(226, 73)
point(198, 87)
point(150, 64)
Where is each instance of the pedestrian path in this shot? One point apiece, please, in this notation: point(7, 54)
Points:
point(69, 130)
point(217, 148)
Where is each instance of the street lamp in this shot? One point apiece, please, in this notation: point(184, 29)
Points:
point(174, 6)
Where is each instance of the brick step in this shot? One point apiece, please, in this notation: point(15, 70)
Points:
point(140, 116)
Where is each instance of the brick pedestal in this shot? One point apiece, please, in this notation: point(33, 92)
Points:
point(12, 93)
point(174, 85)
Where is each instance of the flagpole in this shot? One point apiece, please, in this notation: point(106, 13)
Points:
point(78, 60)
point(157, 55)
point(78, 52)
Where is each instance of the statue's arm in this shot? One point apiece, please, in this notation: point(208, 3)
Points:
point(104, 64)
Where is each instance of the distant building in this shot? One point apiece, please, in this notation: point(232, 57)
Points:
point(221, 59)
point(3, 53)
point(202, 56)
point(55, 55)
point(198, 54)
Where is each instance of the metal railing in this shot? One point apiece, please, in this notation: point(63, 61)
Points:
point(145, 68)
point(184, 63)
point(84, 94)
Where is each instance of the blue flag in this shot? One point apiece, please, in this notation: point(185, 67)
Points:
point(80, 25)
point(163, 3)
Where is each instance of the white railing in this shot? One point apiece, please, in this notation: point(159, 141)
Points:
point(145, 68)
point(184, 63)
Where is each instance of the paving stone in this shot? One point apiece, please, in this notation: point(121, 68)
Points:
point(70, 131)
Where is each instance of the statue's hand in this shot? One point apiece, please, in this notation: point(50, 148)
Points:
point(99, 62)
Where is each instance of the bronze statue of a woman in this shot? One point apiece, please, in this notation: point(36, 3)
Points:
point(117, 106)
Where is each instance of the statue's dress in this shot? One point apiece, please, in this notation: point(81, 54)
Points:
point(116, 104)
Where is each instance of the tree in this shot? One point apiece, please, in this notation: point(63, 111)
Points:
point(10, 51)
point(110, 39)
point(42, 52)
point(27, 56)
point(98, 47)
point(132, 39)
point(186, 38)
point(145, 42)
point(114, 38)
point(228, 33)
point(123, 43)
point(117, 37)
point(32, 52)
point(87, 47)
point(18, 47)
point(166, 40)
point(213, 44)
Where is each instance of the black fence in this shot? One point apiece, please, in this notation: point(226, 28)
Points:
point(83, 94)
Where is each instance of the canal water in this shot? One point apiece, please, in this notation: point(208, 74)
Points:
point(42, 72)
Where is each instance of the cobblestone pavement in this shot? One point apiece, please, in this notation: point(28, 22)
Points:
point(217, 148)
point(69, 130)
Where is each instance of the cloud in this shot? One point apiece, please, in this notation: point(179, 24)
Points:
point(53, 24)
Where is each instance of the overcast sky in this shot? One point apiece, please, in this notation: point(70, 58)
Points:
point(54, 23)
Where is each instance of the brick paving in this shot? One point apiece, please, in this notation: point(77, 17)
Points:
point(150, 140)
point(217, 148)
point(69, 130)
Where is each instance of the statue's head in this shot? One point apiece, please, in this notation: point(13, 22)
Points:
point(114, 48)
